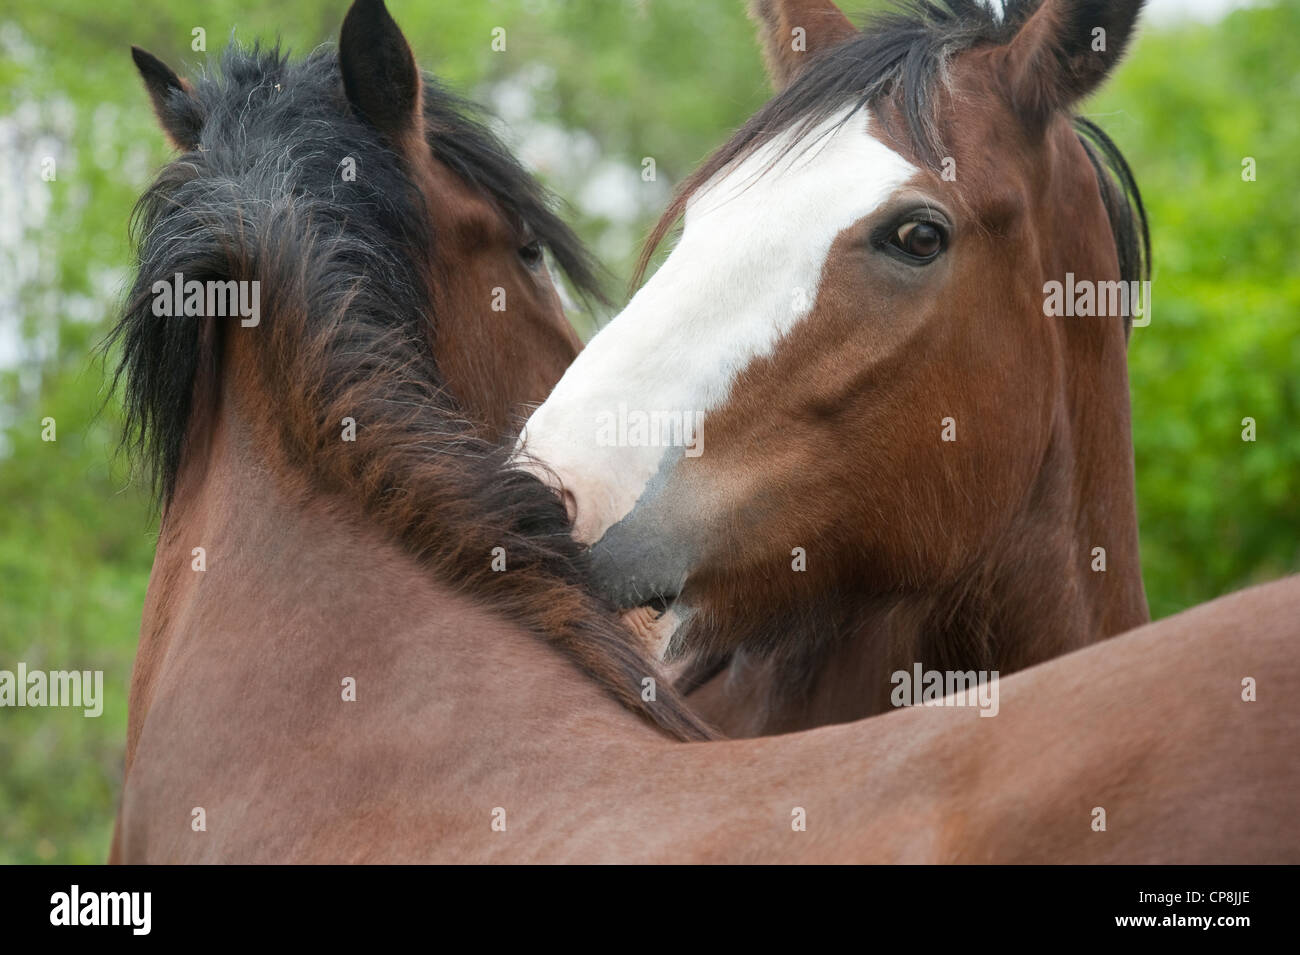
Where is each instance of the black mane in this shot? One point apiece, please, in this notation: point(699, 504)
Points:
point(274, 136)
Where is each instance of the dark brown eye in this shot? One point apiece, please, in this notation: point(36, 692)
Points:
point(921, 240)
point(531, 254)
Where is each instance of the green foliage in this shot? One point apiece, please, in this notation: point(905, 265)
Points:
point(668, 79)
point(1217, 513)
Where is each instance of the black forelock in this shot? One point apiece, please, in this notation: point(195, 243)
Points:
point(903, 51)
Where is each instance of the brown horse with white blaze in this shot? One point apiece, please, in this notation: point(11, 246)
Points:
point(464, 730)
point(899, 457)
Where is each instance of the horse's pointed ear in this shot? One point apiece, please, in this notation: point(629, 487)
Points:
point(792, 31)
point(379, 72)
point(174, 104)
point(1064, 51)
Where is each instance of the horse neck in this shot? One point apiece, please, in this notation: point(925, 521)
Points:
point(1102, 494)
point(270, 539)
point(1033, 596)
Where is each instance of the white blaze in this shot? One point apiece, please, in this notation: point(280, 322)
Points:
point(745, 272)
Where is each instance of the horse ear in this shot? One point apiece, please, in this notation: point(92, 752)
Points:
point(792, 31)
point(1064, 51)
point(173, 102)
point(379, 72)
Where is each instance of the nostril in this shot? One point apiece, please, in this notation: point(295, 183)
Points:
point(659, 604)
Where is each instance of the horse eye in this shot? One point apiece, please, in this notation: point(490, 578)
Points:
point(920, 240)
point(531, 254)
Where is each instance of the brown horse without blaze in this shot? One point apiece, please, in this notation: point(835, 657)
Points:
point(464, 737)
point(375, 389)
point(900, 458)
